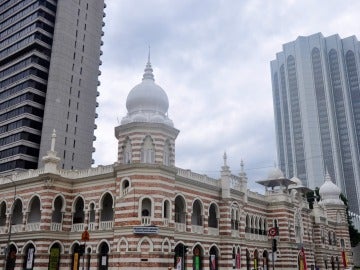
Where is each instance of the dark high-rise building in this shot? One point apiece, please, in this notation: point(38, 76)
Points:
point(316, 93)
point(49, 67)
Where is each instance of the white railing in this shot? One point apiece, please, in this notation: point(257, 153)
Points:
point(78, 227)
point(180, 227)
point(146, 221)
point(3, 229)
point(17, 228)
point(198, 177)
point(197, 229)
point(56, 226)
point(92, 226)
point(33, 226)
point(213, 231)
point(125, 191)
point(166, 222)
point(106, 225)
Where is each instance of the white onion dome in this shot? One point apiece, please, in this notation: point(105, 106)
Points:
point(329, 192)
point(275, 173)
point(147, 101)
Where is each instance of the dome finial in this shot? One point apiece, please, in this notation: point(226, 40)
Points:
point(225, 158)
point(148, 74)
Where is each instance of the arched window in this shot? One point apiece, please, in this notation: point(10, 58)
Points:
point(125, 185)
point(167, 153)
point(166, 209)
point(298, 236)
point(103, 256)
point(34, 214)
point(180, 210)
point(196, 216)
point(148, 151)
point(79, 215)
point(265, 260)
point(214, 258)
point(213, 216)
point(180, 252)
point(247, 224)
point(29, 257)
point(235, 218)
point(107, 211)
point(127, 158)
point(92, 213)
point(57, 214)
point(2, 214)
point(146, 206)
point(17, 216)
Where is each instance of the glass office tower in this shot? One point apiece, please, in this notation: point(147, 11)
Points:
point(49, 68)
point(315, 82)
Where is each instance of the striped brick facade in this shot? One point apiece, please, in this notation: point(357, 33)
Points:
point(130, 185)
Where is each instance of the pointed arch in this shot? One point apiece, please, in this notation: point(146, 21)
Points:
point(145, 245)
point(148, 150)
point(34, 209)
point(127, 151)
point(166, 245)
point(123, 245)
point(167, 153)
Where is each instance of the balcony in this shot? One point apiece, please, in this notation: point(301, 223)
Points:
point(146, 221)
point(197, 229)
point(56, 226)
point(166, 222)
point(106, 225)
point(33, 226)
point(180, 227)
point(78, 227)
point(16, 228)
point(125, 191)
point(92, 226)
point(3, 229)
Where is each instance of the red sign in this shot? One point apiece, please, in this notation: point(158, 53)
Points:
point(272, 231)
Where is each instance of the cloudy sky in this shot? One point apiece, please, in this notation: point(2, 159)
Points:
point(212, 59)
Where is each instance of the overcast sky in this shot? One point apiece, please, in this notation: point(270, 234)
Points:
point(212, 59)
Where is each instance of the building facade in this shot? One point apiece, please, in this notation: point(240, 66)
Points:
point(49, 65)
point(316, 93)
point(143, 212)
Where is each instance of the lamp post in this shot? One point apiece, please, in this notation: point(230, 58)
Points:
point(10, 218)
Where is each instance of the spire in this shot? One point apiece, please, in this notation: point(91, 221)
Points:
point(53, 139)
point(225, 158)
point(148, 72)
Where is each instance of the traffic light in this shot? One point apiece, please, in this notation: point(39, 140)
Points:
point(274, 245)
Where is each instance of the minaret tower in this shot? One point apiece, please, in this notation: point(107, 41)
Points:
point(146, 134)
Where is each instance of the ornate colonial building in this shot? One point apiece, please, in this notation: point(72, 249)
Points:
point(142, 212)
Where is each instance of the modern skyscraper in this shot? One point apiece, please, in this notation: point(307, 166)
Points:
point(315, 82)
point(49, 68)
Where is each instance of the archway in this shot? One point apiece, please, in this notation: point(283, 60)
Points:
point(103, 256)
point(256, 259)
point(11, 258)
point(54, 258)
point(214, 258)
point(248, 262)
point(29, 257)
point(76, 253)
point(265, 260)
point(197, 258)
point(180, 256)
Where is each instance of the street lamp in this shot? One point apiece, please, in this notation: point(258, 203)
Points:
point(10, 218)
